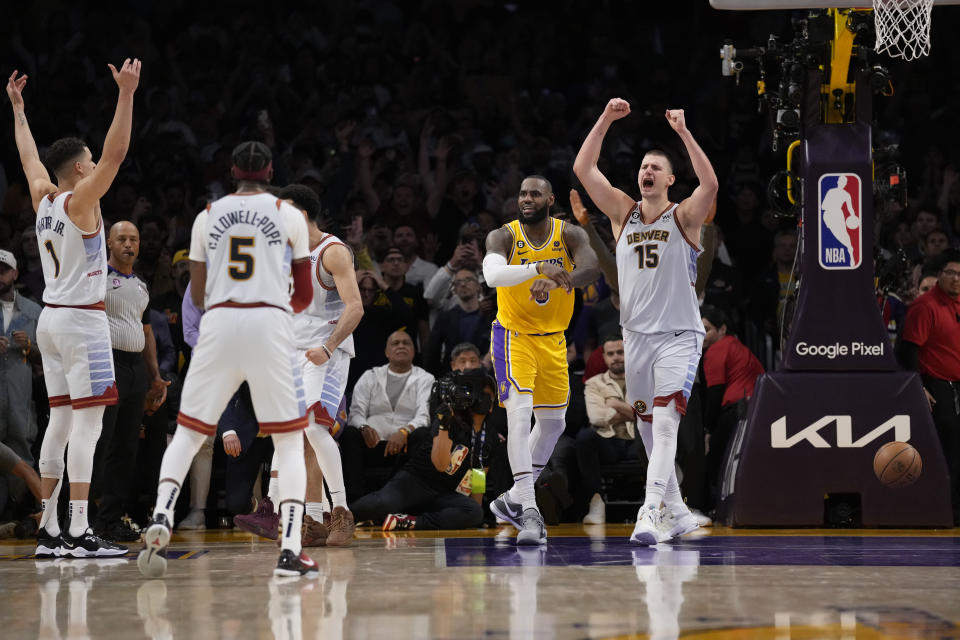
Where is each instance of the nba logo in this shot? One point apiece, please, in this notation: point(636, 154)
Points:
point(839, 221)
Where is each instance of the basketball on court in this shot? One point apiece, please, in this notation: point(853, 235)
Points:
point(897, 464)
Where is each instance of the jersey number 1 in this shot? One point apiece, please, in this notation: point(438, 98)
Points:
point(648, 256)
point(53, 254)
point(241, 264)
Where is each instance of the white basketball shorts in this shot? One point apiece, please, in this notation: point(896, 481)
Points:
point(77, 356)
point(660, 367)
point(324, 386)
point(245, 343)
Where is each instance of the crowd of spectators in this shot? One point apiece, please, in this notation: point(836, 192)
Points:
point(415, 122)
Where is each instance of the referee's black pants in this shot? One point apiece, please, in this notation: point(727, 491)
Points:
point(114, 463)
point(946, 417)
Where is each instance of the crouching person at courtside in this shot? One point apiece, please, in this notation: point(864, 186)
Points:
point(443, 482)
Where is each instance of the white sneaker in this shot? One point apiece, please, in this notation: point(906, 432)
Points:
point(598, 511)
point(673, 526)
point(195, 520)
point(702, 519)
point(647, 530)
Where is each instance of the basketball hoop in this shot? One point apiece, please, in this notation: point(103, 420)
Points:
point(903, 27)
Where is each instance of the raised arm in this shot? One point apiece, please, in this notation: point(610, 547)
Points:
point(613, 202)
point(496, 271)
point(605, 260)
point(90, 189)
point(693, 210)
point(37, 177)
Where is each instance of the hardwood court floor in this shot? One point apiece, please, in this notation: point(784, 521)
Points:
point(588, 582)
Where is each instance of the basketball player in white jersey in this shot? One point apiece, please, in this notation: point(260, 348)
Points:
point(324, 337)
point(72, 332)
point(657, 249)
point(243, 249)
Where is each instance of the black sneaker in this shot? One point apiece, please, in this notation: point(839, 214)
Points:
point(89, 545)
point(119, 531)
point(47, 546)
point(152, 561)
point(290, 564)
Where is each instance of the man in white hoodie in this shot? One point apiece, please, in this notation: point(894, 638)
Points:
point(388, 403)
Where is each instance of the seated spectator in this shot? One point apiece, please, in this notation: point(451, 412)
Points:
point(388, 403)
point(442, 484)
point(730, 370)
point(611, 435)
point(468, 321)
point(934, 243)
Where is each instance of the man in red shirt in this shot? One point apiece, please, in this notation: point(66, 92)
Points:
point(931, 345)
point(730, 371)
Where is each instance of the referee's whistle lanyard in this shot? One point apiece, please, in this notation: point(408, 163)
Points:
point(477, 452)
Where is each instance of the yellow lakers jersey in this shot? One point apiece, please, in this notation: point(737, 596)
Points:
point(516, 311)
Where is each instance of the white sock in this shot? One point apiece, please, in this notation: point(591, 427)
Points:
point(328, 457)
point(519, 408)
point(291, 516)
point(167, 493)
point(660, 467)
point(50, 521)
point(78, 517)
point(273, 491)
point(173, 469)
point(292, 486)
point(314, 510)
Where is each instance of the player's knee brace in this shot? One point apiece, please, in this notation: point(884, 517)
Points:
point(51, 467)
point(87, 424)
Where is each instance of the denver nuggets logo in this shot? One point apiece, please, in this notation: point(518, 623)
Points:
point(640, 407)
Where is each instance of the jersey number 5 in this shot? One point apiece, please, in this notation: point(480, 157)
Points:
point(241, 264)
point(647, 256)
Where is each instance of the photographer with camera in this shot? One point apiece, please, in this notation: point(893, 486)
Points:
point(442, 484)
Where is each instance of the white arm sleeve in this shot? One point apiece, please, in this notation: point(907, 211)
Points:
point(498, 273)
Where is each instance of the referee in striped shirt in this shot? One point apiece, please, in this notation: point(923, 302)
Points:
point(139, 385)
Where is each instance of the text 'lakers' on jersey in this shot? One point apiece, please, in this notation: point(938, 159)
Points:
point(550, 314)
point(657, 273)
point(74, 261)
point(247, 242)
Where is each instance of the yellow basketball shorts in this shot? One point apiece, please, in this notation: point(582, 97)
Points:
point(534, 364)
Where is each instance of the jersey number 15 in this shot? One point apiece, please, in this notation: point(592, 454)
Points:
point(647, 256)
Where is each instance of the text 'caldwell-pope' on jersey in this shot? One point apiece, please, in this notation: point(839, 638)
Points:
point(657, 273)
point(550, 314)
point(247, 241)
point(314, 324)
point(74, 262)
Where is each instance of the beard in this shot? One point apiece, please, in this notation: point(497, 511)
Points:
point(537, 216)
point(618, 369)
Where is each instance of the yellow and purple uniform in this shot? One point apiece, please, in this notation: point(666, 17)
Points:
point(527, 343)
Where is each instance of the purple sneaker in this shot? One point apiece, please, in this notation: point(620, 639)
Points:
point(262, 522)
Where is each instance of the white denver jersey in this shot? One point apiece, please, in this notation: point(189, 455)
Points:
point(74, 262)
point(657, 272)
point(313, 325)
point(248, 241)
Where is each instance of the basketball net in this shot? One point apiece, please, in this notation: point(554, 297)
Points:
point(903, 27)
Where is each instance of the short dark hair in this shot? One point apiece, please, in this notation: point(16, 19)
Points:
point(716, 315)
point(303, 197)
point(62, 152)
point(537, 176)
point(251, 156)
point(662, 154)
point(462, 348)
point(948, 256)
point(613, 336)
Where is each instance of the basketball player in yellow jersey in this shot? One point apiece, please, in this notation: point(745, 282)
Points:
point(535, 263)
